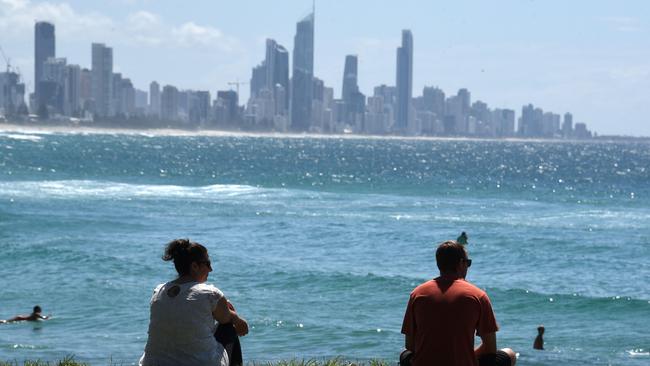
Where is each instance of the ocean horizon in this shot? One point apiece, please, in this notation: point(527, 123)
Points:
point(319, 241)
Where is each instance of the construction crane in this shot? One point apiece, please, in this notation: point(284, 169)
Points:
point(13, 82)
point(237, 83)
point(7, 59)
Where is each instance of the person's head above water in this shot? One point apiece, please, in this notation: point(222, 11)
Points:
point(188, 257)
point(37, 310)
point(540, 329)
point(451, 258)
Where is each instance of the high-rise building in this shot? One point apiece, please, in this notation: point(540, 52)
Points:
point(481, 122)
point(199, 105)
point(350, 90)
point(141, 101)
point(388, 95)
point(550, 124)
point(270, 83)
point(454, 121)
point(86, 90)
point(462, 118)
point(504, 122)
point(12, 94)
point(433, 99)
point(258, 79)
point(581, 132)
point(350, 77)
point(169, 103)
point(567, 125)
point(227, 105)
point(277, 71)
point(44, 48)
point(72, 88)
point(404, 82)
point(102, 79)
point(117, 107)
point(154, 99)
point(377, 118)
point(52, 84)
point(531, 121)
point(303, 74)
point(127, 97)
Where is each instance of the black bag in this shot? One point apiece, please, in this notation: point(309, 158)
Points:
point(405, 358)
point(227, 336)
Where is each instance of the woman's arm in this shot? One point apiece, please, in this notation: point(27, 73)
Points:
point(224, 315)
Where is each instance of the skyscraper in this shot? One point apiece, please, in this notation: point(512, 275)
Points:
point(567, 125)
point(52, 84)
point(169, 99)
point(462, 120)
point(303, 74)
point(12, 94)
point(269, 86)
point(349, 78)
point(277, 71)
point(354, 101)
point(72, 98)
point(258, 79)
point(102, 79)
point(44, 48)
point(404, 82)
point(154, 99)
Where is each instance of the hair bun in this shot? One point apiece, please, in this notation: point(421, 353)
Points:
point(176, 248)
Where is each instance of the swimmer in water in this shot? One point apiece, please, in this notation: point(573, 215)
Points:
point(539, 340)
point(34, 316)
point(462, 239)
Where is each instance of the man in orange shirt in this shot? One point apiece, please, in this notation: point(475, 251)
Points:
point(443, 314)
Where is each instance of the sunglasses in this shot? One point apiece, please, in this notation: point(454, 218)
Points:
point(206, 262)
point(468, 261)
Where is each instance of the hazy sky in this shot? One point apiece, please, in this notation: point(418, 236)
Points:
point(589, 57)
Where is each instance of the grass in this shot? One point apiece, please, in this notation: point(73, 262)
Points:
point(69, 361)
point(334, 362)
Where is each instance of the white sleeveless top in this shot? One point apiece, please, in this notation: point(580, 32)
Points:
point(181, 326)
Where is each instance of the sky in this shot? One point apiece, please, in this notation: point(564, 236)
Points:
point(587, 57)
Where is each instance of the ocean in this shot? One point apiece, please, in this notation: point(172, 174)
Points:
point(319, 241)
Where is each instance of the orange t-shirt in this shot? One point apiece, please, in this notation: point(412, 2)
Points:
point(442, 316)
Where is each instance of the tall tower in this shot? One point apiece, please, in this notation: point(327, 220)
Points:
point(303, 74)
point(154, 99)
point(277, 72)
point(349, 78)
point(102, 79)
point(44, 48)
point(567, 126)
point(350, 87)
point(404, 82)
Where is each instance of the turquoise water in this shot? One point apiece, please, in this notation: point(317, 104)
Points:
point(318, 241)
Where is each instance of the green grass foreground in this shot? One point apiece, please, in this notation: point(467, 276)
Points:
point(69, 361)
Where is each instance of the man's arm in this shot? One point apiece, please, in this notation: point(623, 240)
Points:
point(488, 345)
point(408, 326)
point(409, 342)
point(223, 314)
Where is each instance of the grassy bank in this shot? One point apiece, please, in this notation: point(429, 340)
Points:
point(335, 362)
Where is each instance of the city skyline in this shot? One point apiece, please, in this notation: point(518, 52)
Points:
point(66, 92)
point(365, 66)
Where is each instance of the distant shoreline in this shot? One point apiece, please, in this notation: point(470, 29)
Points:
point(101, 130)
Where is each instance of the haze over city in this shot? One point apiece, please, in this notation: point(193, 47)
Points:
point(587, 58)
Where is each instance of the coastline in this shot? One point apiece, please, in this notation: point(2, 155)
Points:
point(157, 132)
point(70, 361)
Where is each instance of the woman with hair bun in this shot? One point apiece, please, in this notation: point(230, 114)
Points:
point(185, 313)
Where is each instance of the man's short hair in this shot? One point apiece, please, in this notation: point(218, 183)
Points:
point(449, 254)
